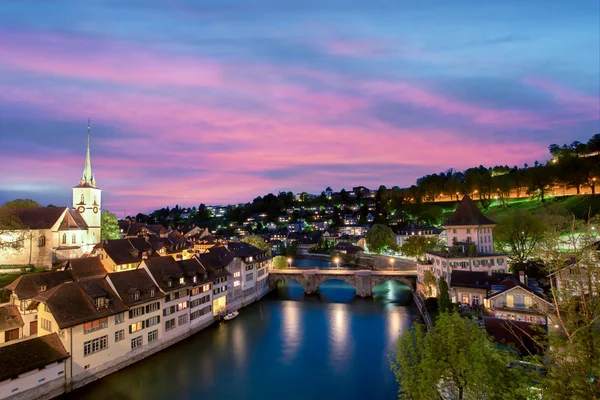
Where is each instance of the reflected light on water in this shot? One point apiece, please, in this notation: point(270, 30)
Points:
point(396, 323)
point(238, 341)
point(339, 336)
point(291, 331)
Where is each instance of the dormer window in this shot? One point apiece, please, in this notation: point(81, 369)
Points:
point(169, 283)
point(152, 292)
point(181, 281)
point(101, 302)
point(135, 296)
point(43, 288)
point(194, 279)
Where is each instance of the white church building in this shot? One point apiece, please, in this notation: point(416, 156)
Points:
point(54, 234)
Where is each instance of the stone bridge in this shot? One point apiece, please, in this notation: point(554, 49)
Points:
point(363, 280)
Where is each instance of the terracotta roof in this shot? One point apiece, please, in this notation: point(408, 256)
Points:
point(29, 355)
point(193, 267)
point(10, 318)
point(518, 335)
point(475, 279)
point(73, 303)
point(85, 268)
point(467, 214)
point(164, 270)
point(215, 261)
point(39, 218)
point(30, 285)
point(127, 283)
point(126, 251)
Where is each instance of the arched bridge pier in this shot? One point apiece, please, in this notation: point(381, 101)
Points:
point(363, 280)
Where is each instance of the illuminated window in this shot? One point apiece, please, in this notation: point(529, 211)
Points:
point(42, 241)
point(181, 280)
point(138, 326)
point(152, 292)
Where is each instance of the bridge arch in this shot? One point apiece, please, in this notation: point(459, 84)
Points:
point(378, 280)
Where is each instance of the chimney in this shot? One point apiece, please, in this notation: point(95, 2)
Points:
point(522, 277)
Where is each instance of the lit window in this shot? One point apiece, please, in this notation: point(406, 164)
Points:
point(181, 280)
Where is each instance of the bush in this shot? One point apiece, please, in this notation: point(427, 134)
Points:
point(431, 304)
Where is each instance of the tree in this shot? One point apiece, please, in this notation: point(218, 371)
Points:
point(22, 203)
point(459, 358)
point(109, 226)
point(430, 283)
point(279, 262)
point(518, 234)
point(573, 356)
point(257, 242)
point(379, 238)
point(444, 303)
point(416, 246)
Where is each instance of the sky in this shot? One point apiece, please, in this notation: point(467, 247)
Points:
point(221, 101)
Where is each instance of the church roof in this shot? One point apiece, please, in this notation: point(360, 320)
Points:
point(87, 177)
point(467, 214)
point(38, 218)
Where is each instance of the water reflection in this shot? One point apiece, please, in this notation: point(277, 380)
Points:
point(290, 289)
point(337, 291)
point(339, 338)
point(291, 331)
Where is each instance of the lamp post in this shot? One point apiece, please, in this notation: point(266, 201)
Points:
point(337, 262)
point(289, 260)
point(392, 263)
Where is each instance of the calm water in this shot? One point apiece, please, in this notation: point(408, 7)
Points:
point(287, 346)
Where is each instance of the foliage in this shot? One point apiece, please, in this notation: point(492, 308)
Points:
point(458, 358)
point(518, 234)
point(258, 242)
point(109, 226)
point(444, 303)
point(379, 238)
point(573, 356)
point(416, 245)
point(22, 203)
point(430, 283)
point(280, 262)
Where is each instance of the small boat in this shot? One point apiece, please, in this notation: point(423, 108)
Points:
point(231, 316)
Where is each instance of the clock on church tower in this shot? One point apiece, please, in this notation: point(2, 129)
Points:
point(87, 199)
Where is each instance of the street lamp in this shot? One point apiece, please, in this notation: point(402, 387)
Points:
point(337, 261)
point(392, 263)
point(289, 260)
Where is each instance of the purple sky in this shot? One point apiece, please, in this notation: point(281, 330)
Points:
point(221, 101)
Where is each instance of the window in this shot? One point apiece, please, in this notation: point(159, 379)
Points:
point(249, 277)
point(138, 326)
point(172, 296)
point(82, 199)
point(152, 292)
point(152, 336)
point(206, 288)
point(182, 306)
point(199, 313)
point(468, 230)
point(64, 238)
point(170, 324)
point(453, 230)
point(119, 318)
point(46, 325)
point(168, 311)
point(119, 335)
point(95, 345)
point(42, 241)
point(183, 319)
point(236, 283)
point(135, 296)
point(43, 289)
point(95, 325)
point(195, 291)
point(153, 321)
point(237, 274)
point(181, 280)
point(73, 239)
point(194, 279)
point(136, 312)
point(101, 302)
point(152, 307)
point(169, 283)
point(11, 334)
point(136, 342)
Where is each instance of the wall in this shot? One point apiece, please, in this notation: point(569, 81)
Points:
point(47, 382)
point(184, 313)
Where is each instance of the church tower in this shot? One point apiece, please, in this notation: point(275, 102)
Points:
point(87, 199)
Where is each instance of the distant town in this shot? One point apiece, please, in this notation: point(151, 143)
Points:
point(85, 294)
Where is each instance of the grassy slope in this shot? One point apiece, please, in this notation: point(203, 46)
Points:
point(578, 205)
point(6, 279)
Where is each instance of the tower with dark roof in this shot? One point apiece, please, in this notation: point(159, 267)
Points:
point(87, 199)
point(469, 225)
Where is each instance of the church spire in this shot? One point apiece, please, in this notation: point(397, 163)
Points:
point(87, 178)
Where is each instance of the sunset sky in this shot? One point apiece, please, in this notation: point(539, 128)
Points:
point(221, 101)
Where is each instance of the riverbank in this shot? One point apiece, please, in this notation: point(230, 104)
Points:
point(330, 345)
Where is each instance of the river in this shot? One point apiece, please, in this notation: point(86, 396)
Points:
point(286, 346)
